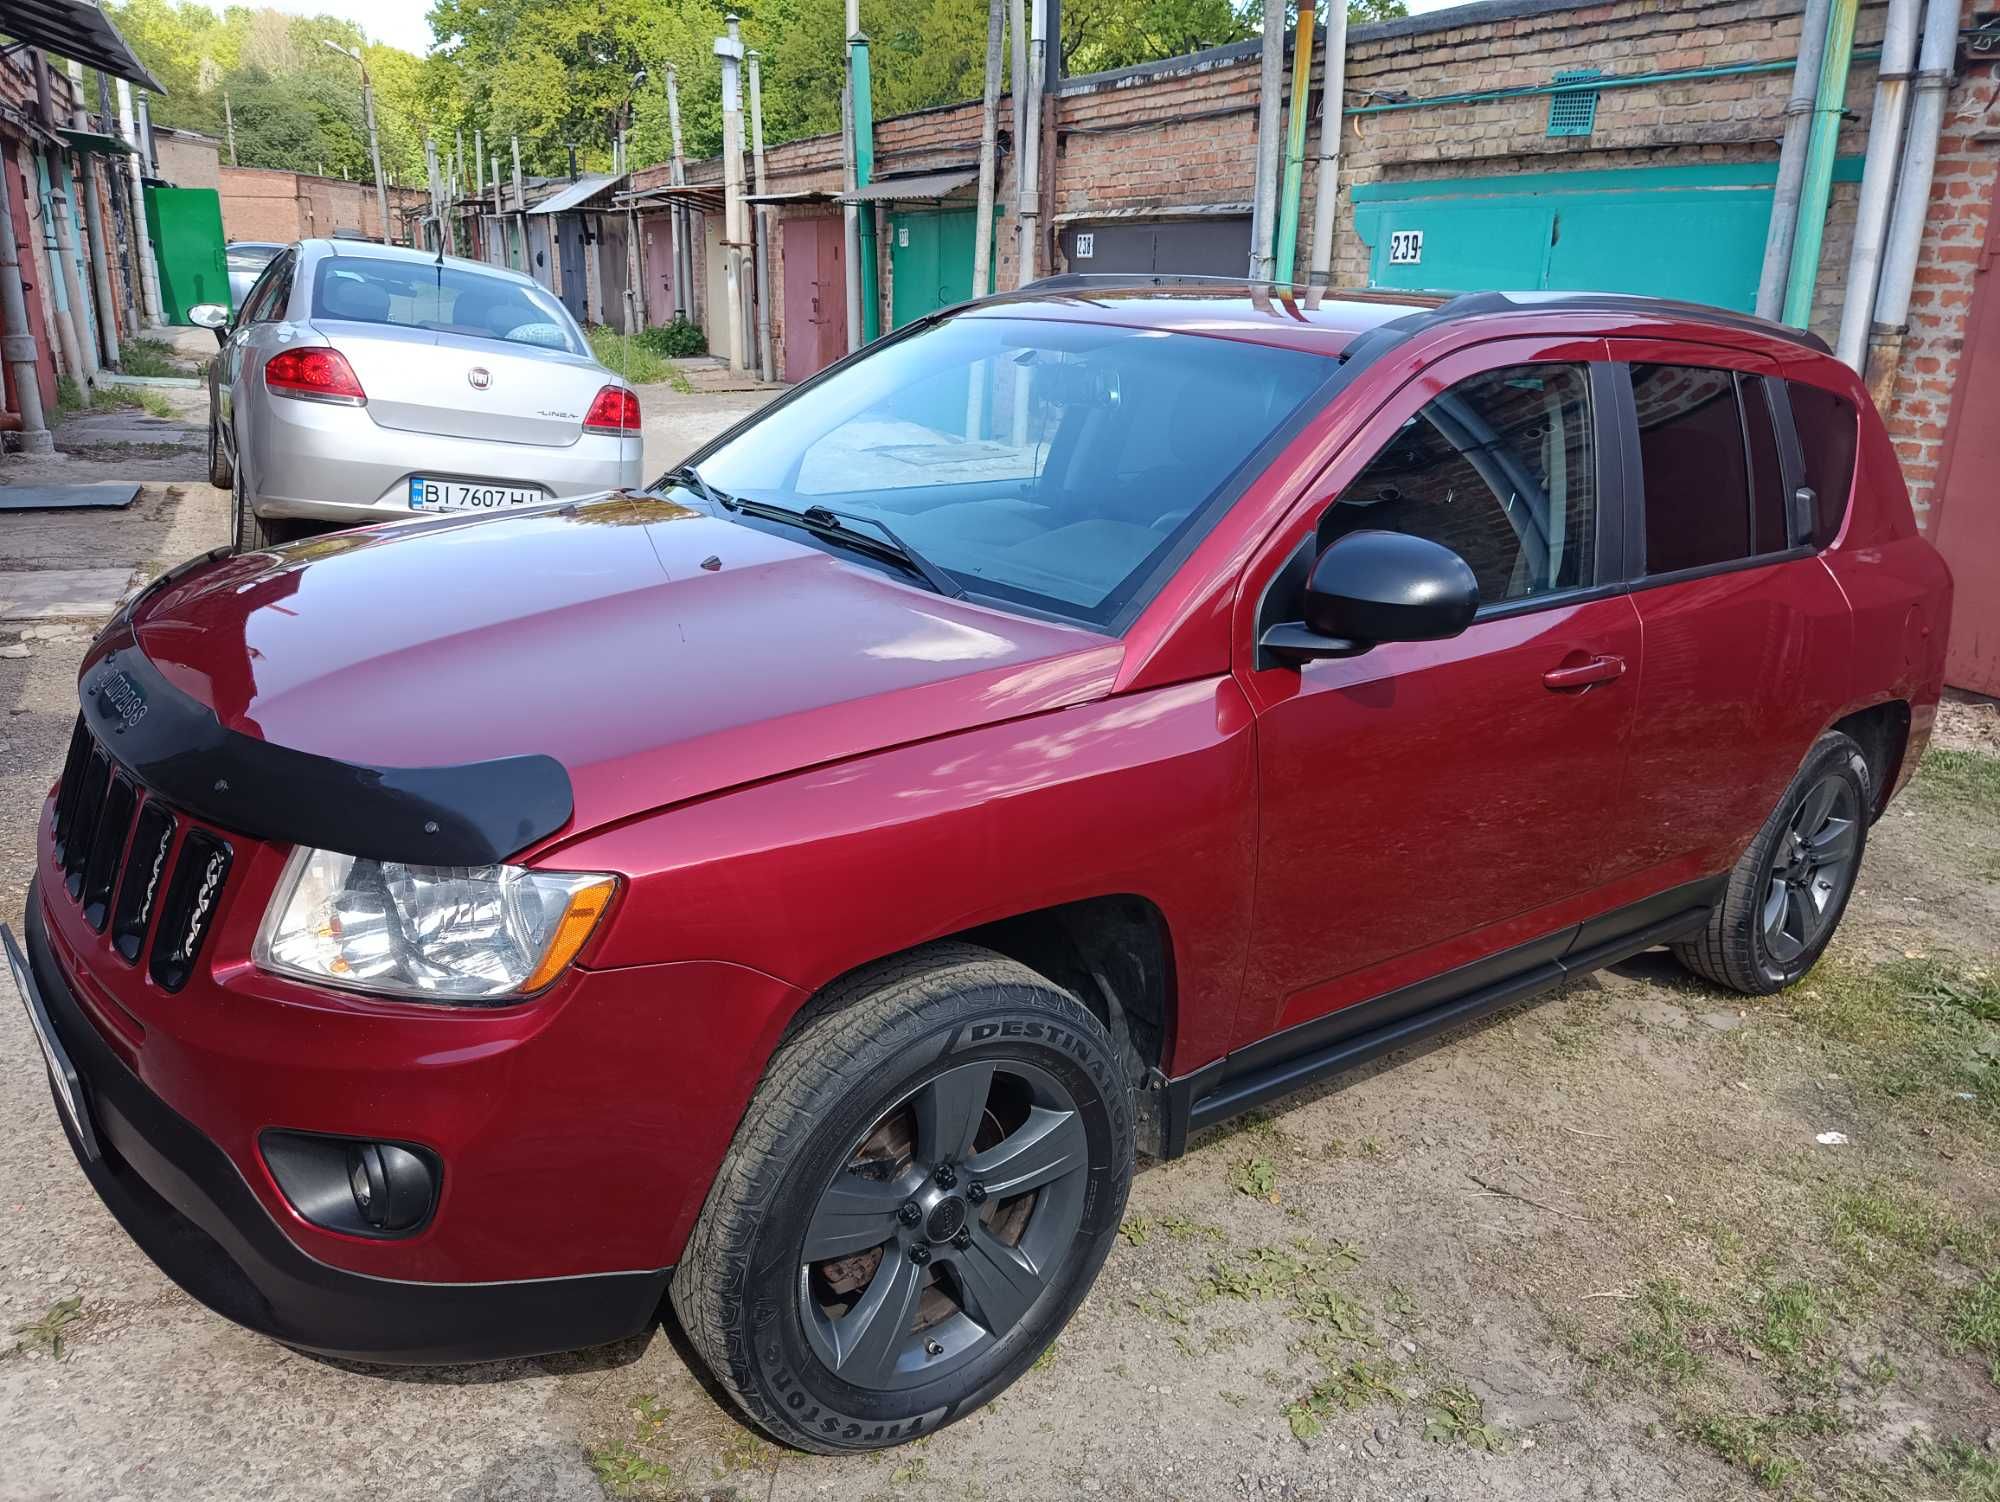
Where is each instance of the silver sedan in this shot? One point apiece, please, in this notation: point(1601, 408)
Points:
point(362, 382)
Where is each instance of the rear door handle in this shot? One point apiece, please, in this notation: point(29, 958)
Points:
point(1583, 674)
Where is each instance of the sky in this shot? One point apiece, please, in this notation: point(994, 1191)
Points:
point(401, 23)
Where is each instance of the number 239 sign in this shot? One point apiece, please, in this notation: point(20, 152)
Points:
point(1406, 247)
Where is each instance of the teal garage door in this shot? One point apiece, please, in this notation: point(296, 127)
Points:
point(1695, 233)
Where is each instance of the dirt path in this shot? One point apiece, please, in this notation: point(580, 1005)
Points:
point(1592, 1248)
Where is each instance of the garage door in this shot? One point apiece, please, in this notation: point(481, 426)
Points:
point(1218, 246)
point(1695, 233)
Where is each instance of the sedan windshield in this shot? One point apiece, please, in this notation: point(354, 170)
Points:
point(442, 299)
point(1058, 466)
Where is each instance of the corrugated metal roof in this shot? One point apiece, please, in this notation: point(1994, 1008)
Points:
point(576, 194)
point(916, 185)
point(77, 30)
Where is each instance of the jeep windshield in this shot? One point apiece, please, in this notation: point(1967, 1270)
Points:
point(1058, 467)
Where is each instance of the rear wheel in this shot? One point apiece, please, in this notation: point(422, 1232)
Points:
point(1785, 898)
point(919, 1196)
point(221, 473)
point(253, 531)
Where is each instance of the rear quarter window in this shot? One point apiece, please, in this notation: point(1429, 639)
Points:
point(1827, 424)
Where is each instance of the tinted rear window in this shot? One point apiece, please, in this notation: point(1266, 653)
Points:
point(443, 299)
point(1827, 425)
point(1691, 455)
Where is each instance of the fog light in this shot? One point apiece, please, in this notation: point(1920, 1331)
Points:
point(352, 1185)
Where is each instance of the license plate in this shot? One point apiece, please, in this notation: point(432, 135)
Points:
point(69, 1089)
point(470, 495)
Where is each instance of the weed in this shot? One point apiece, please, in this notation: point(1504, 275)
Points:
point(1046, 1360)
point(1789, 1320)
point(1662, 1353)
point(69, 398)
point(677, 340)
point(139, 396)
point(1181, 1228)
point(1457, 1414)
point(1971, 1473)
point(1880, 1370)
point(1370, 1148)
point(1355, 1385)
point(1758, 1445)
point(1256, 1177)
point(916, 1468)
point(1957, 779)
point(1135, 1230)
point(1164, 1306)
point(652, 1415)
point(1972, 1323)
point(46, 1333)
point(1233, 1399)
point(631, 358)
point(621, 1470)
point(149, 357)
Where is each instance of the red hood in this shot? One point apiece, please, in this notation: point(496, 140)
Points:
point(594, 634)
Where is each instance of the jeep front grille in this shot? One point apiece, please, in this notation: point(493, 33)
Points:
point(129, 860)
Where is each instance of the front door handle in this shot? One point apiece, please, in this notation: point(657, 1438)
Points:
point(1583, 674)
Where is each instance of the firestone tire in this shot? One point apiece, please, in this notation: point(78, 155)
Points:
point(989, 1072)
point(1785, 897)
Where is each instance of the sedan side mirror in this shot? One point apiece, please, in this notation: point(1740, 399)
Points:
point(212, 316)
point(1374, 587)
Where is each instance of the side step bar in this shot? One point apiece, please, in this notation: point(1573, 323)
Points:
point(1213, 1094)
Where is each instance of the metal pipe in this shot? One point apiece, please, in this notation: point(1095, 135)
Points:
point(1913, 189)
point(1792, 161)
point(149, 271)
point(730, 49)
point(1029, 148)
point(1592, 85)
point(1018, 68)
point(989, 134)
point(102, 300)
point(17, 342)
point(1264, 195)
point(765, 368)
point(73, 312)
point(851, 225)
point(1829, 102)
point(1878, 179)
point(1295, 147)
point(1326, 195)
point(864, 172)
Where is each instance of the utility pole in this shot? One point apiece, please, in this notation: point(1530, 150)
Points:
point(850, 221)
point(864, 171)
point(764, 367)
point(229, 126)
point(374, 140)
point(677, 216)
point(730, 49)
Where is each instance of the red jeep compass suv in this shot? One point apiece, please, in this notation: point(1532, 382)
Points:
point(801, 889)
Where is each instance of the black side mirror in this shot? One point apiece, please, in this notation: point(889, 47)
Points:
point(1373, 587)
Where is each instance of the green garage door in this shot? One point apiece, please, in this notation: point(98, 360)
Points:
point(930, 261)
point(1695, 233)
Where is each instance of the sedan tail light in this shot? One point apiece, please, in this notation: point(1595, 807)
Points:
point(616, 410)
point(314, 375)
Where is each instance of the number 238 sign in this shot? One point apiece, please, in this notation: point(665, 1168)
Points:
point(1406, 247)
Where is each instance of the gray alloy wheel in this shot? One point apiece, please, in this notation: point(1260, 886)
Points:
point(1781, 903)
point(1811, 868)
point(944, 1225)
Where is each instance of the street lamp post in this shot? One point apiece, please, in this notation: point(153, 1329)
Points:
point(374, 141)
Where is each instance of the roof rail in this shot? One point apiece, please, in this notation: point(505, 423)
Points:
point(1109, 281)
point(1472, 304)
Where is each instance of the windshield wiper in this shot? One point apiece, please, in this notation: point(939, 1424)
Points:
point(833, 526)
point(709, 493)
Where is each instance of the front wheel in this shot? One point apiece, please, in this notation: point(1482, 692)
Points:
point(1784, 899)
point(919, 1196)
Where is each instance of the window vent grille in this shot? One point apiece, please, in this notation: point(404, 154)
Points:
point(1572, 112)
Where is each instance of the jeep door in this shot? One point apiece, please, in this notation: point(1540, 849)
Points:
point(1426, 806)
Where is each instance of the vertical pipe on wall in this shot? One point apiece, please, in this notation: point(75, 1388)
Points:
point(1792, 160)
point(730, 49)
point(1829, 102)
point(1913, 193)
point(93, 225)
point(1878, 179)
point(677, 215)
point(989, 133)
point(1030, 145)
point(765, 367)
point(1017, 76)
point(149, 275)
point(1264, 196)
point(1295, 148)
point(17, 342)
point(864, 173)
point(1326, 194)
point(850, 223)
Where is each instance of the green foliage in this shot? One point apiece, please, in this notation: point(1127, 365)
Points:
point(46, 1333)
point(149, 357)
point(1966, 780)
point(678, 340)
point(155, 404)
point(1661, 1351)
point(1256, 1177)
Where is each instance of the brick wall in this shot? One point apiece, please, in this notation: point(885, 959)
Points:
point(188, 160)
point(259, 203)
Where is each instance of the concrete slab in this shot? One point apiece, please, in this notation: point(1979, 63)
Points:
point(67, 497)
point(58, 593)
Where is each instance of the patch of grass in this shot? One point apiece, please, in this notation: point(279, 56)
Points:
point(1256, 1177)
point(1355, 1385)
point(149, 357)
point(69, 396)
point(140, 396)
point(1957, 779)
point(678, 340)
point(46, 1334)
point(917, 1468)
point(1138, 1229)
point(1966, 1471)
point(621, 1469)
point(629, 356)
point(1972, 1322)
point(1662, 1351)
point(1456, 1414)
point(1789, 1320)
point(1762, 1446)
point(1882, 1225)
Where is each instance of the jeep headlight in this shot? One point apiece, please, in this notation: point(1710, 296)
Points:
point(468, 934)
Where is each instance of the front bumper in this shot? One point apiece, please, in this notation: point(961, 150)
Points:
point(183, 1200)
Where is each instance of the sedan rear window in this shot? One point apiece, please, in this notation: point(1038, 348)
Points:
point(441, 299)
point(1058, 466)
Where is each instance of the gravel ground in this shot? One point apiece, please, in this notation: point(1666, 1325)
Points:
point(1590, 1248)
